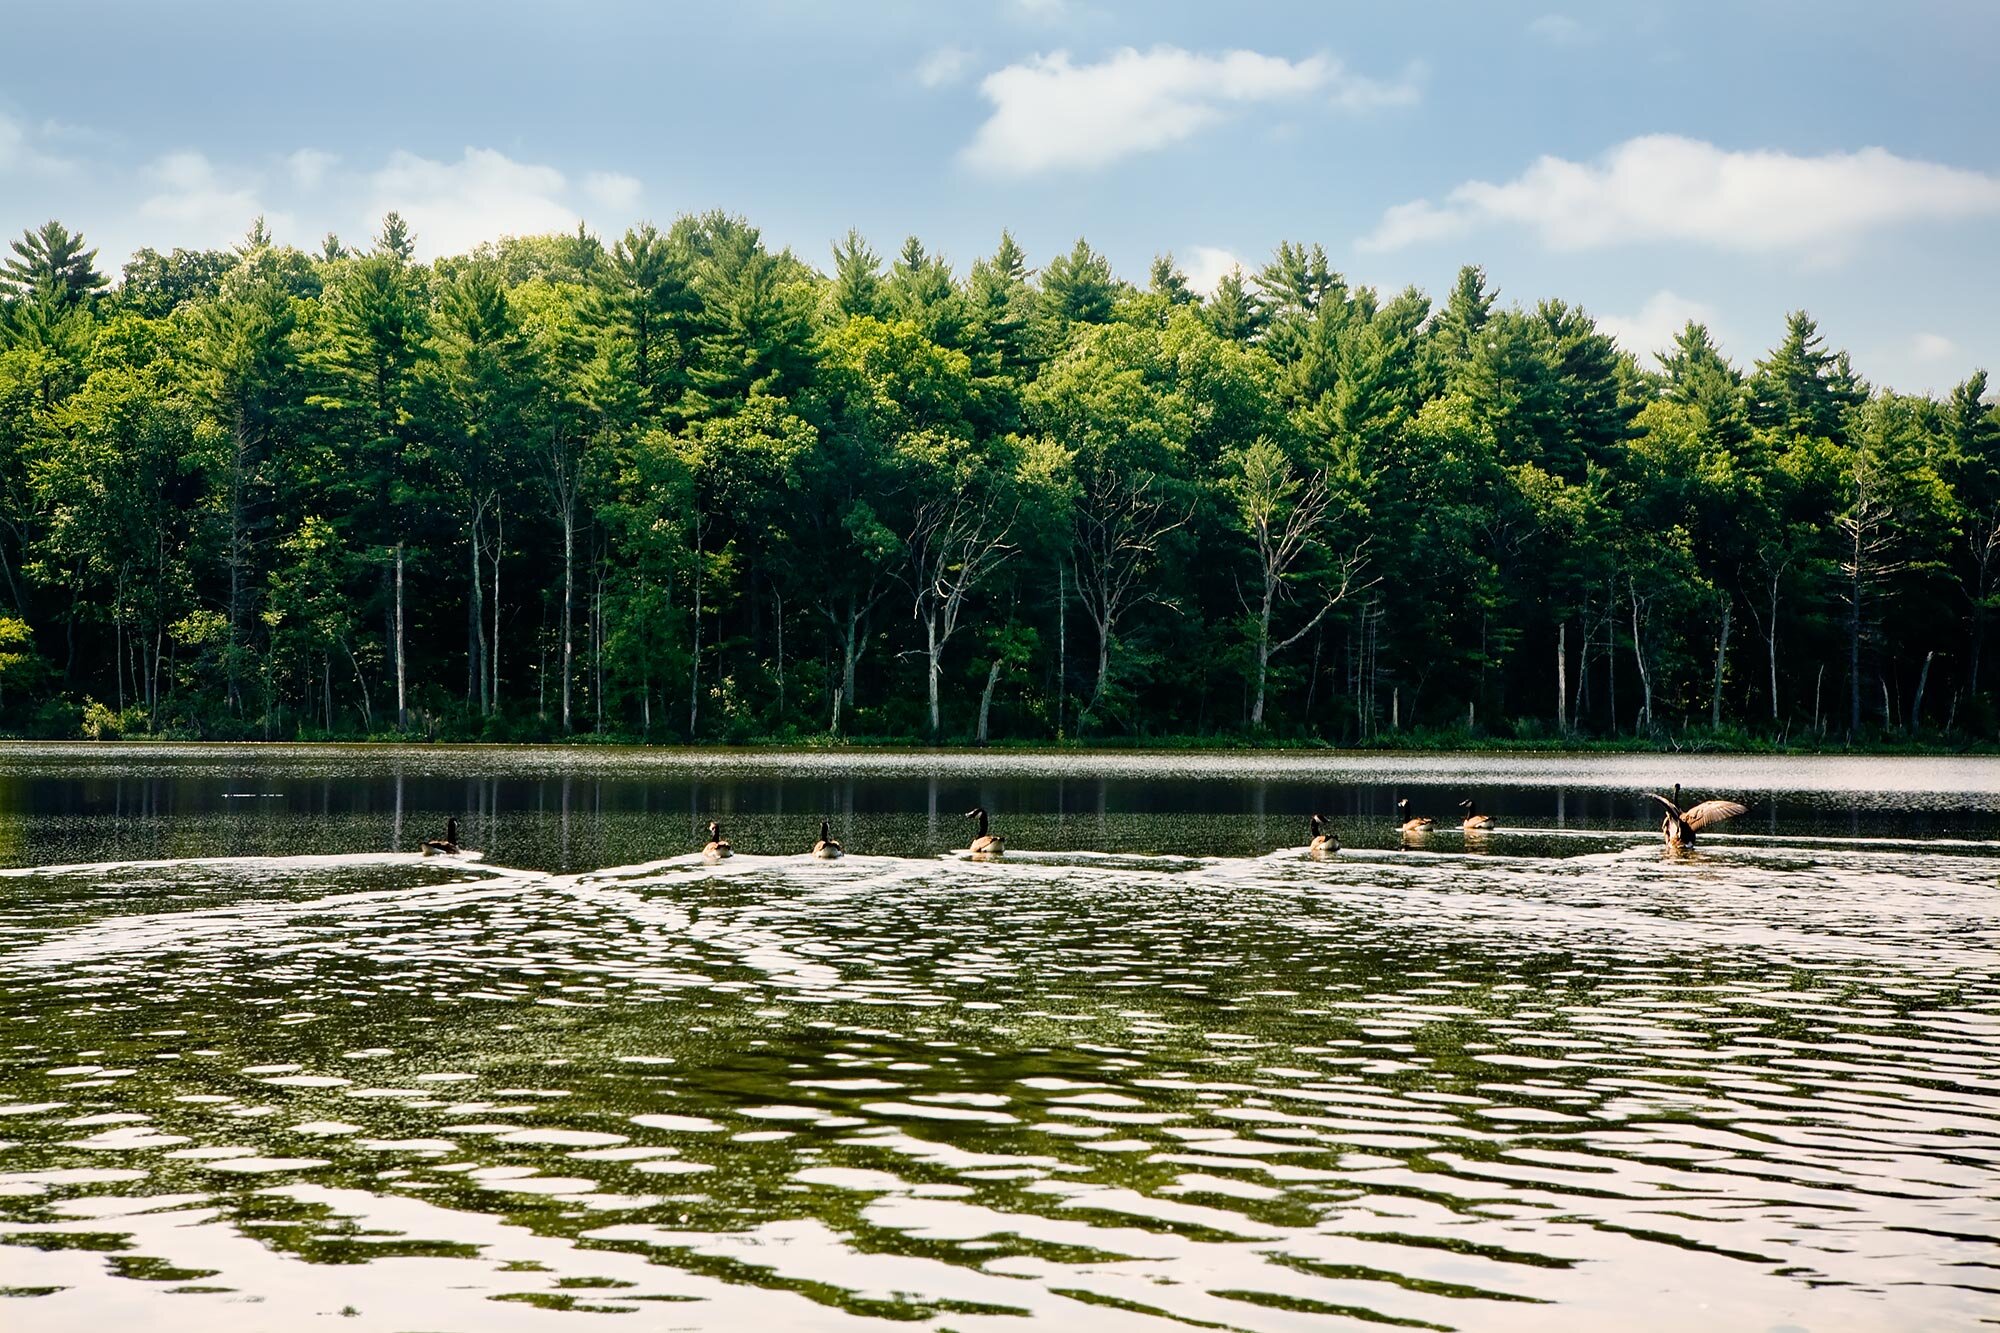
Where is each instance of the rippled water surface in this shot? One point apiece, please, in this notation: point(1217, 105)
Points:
point(1155, 1068)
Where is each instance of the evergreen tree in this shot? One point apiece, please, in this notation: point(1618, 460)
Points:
point(51, 257)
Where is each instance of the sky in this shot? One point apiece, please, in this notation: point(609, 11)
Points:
point(1651, 161)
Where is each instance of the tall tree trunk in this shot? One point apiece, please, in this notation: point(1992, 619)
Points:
point(1562, 678)
point(933, 668)
point(853, 642)
point(236, 559)
point(1854, 649)
point(361, 683)
point(1611, 654)
point(402, 676)
point(569, 609)
point(1639, 658)
point(597, 642)
point(1771, 647)
point(493, 654)
point(694, 672)
point(986, 698)
point(1978, 645)
point(1917, 705)
point(1263, 652)
point(1062, 646)
point(778, 617)
point(475, 639)
point(1105, 620)
point(1721, 654)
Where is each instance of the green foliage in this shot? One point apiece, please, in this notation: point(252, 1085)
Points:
point(50, 258)
point(683, 486)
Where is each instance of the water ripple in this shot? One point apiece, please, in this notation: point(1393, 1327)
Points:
point(1418, 1089)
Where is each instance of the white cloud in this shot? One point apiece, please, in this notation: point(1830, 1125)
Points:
point(454, 206)
point(21, 153)
point(309, 166)
point(943, 67)
point(1933, 347)
point(194, 203)
point(1358, 93)
point(1667, 188)
point(1206, 265)
point(613, 192)
point(1051, 114)
point(1559, 30)
point(1658, 322)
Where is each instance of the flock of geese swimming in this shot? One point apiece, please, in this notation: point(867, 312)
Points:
point(1678, 828)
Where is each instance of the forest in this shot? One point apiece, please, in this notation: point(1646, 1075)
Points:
point(687, 488)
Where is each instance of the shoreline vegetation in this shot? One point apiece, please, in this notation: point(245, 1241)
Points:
point(678, 486)
point(1405, 744)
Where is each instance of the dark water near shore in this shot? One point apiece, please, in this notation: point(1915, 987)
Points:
point(1154, 1069)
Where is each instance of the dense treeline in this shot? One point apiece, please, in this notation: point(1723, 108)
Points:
point(687, 487)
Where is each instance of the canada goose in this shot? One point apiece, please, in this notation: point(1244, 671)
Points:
point(448, 844)
point(1679, 826)
point(718, 848)
point(1473, 822)
point(1323, 839)
point(984, 843)
point(1411, 823)
point(826, 849)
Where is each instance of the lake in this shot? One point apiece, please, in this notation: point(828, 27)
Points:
point(1155, 1068)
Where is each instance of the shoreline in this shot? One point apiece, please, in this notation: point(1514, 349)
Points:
point(1413, 746)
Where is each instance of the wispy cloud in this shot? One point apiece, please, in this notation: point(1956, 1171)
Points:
point(1933, 347)
point(942, 67)
point(1357, 93)
point(26, 152)
point(454, 206)
point(309, 167)
point(1042, 10)
point(1559, 30)
point(1656, 324)
point(1050, 113)
point(1668, 188)
point(1207, 265)
point(196, 203)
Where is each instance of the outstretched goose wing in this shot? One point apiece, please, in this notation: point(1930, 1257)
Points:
point(1712, 812)
point(1672, 809)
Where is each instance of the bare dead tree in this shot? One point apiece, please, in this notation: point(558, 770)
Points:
point(955, 542)
point(1284, 516)
point(848, 615)
point(1120, 518)
point(1869, 554)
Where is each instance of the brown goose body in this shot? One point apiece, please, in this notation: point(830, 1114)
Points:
point(1679, 827)
point(717, 847)
point(448, 844)
point(1412, 823)
point(1473, 821)
point(1323, 839)
point(826, 849)
point(984, 843)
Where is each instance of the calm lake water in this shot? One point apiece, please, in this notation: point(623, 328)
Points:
point(1156, 1068)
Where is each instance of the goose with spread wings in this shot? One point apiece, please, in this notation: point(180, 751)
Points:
point(1680, 826)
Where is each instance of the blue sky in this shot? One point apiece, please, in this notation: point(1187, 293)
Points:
point(1649, 161)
